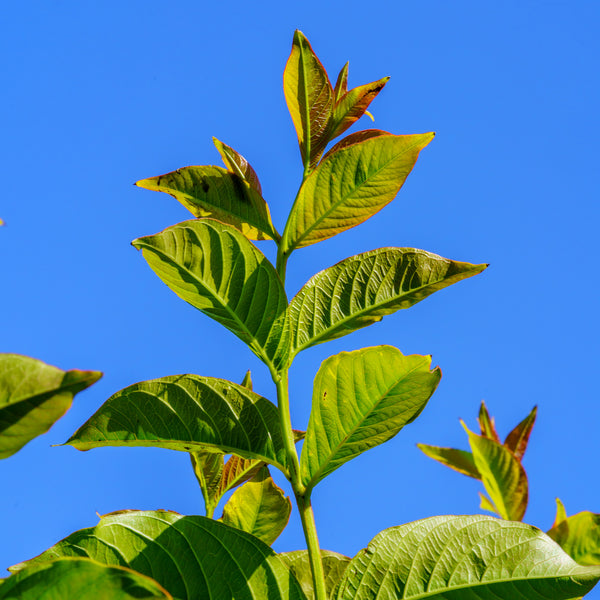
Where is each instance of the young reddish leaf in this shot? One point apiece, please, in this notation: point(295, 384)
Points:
point(517, 440)
point(459, 460)
point(237, 164)
point(486, 424)
point(355, 138)
point(353, 105)
point(502, 475)
point(341, 85)
point(578, 535)
point(309, 97)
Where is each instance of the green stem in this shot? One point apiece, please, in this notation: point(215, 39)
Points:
point(302, 498)
point(312, 541)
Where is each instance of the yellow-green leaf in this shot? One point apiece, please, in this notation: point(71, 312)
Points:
point(208, 468)
point(341, 84)
point(459, 460)
point(578, 535)
point(486, 423)
point(502, 475)
point(362, 399)
point(349, 186)
point(33, 396)
point(309, 98)
point(259, 507)
point(208, 191)
point(237, 164)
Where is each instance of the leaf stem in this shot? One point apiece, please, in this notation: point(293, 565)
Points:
point(300, 492)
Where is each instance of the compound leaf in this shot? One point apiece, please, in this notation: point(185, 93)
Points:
point(188, 413)
point(459, 460)
point(208, 191)
point(259, 507)
point(362, 399)
point(474, 558)
point(309, 98)
point(349, 186)
point(213, 267)
point(502, 475)
point(80, 579)
point(191, 557)
point(298, 563)
point(33, 396)
point(360, 290)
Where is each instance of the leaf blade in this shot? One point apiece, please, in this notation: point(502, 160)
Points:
point(517, 440)
point(360, 290)
point(362, 399)
point(458, 460)
point(237, 164)
point(259, 507)
point(464, 557)
point(166, 546)
point(189, 413)
point(33, 396)
point(309, 97)
point(209, 191)
point(349, 186)
point(217, 270)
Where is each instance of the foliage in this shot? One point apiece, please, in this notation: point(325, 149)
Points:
point(361, 399)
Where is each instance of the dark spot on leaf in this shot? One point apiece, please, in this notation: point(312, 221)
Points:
point(240, 188)
point(205, 186)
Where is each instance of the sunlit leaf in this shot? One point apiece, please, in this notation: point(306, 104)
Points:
point(309, 98)
point(486, 504)
point(334, 565)
point(187, 413)
point(191, 557)
point(237, 164)
point(464, 558)
point(518, 438)
point(208, 191)
point(352, 106)
point(578, 535)
point(355, 138)
point(349, 186)
point(33, 396)
point(459, 460)
point(218, 271)
point(341, 84)
point(486, 424)
point(502, 475)
point(247, 381)
point(362, 399)
point(80, 579)
point(360, 290)
point(259, 507)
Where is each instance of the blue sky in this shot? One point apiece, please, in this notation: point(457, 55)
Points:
point(99, 95)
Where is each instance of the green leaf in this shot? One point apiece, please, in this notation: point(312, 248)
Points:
point(502, 475)
point(208, 468)
point(486, 504)
point(466, 558)
point(218, 271)
point(187, 413)
point(259, 507)
point(341, 85)
point(208, 191)
point(578, 535)
point(518, 438)
point(309, 98)
point(247, 381)
point(459, 460)
point(486, 424)
point(349, 186)
point(352, 106)
point(362, 399)
point(355, 138)
point(80, 579)
point(33, 396)
point(360, 290)
point(237, 164)
point(191, 557)
point(298, 563)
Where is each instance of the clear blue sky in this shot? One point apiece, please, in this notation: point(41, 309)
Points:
point(97, 95)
